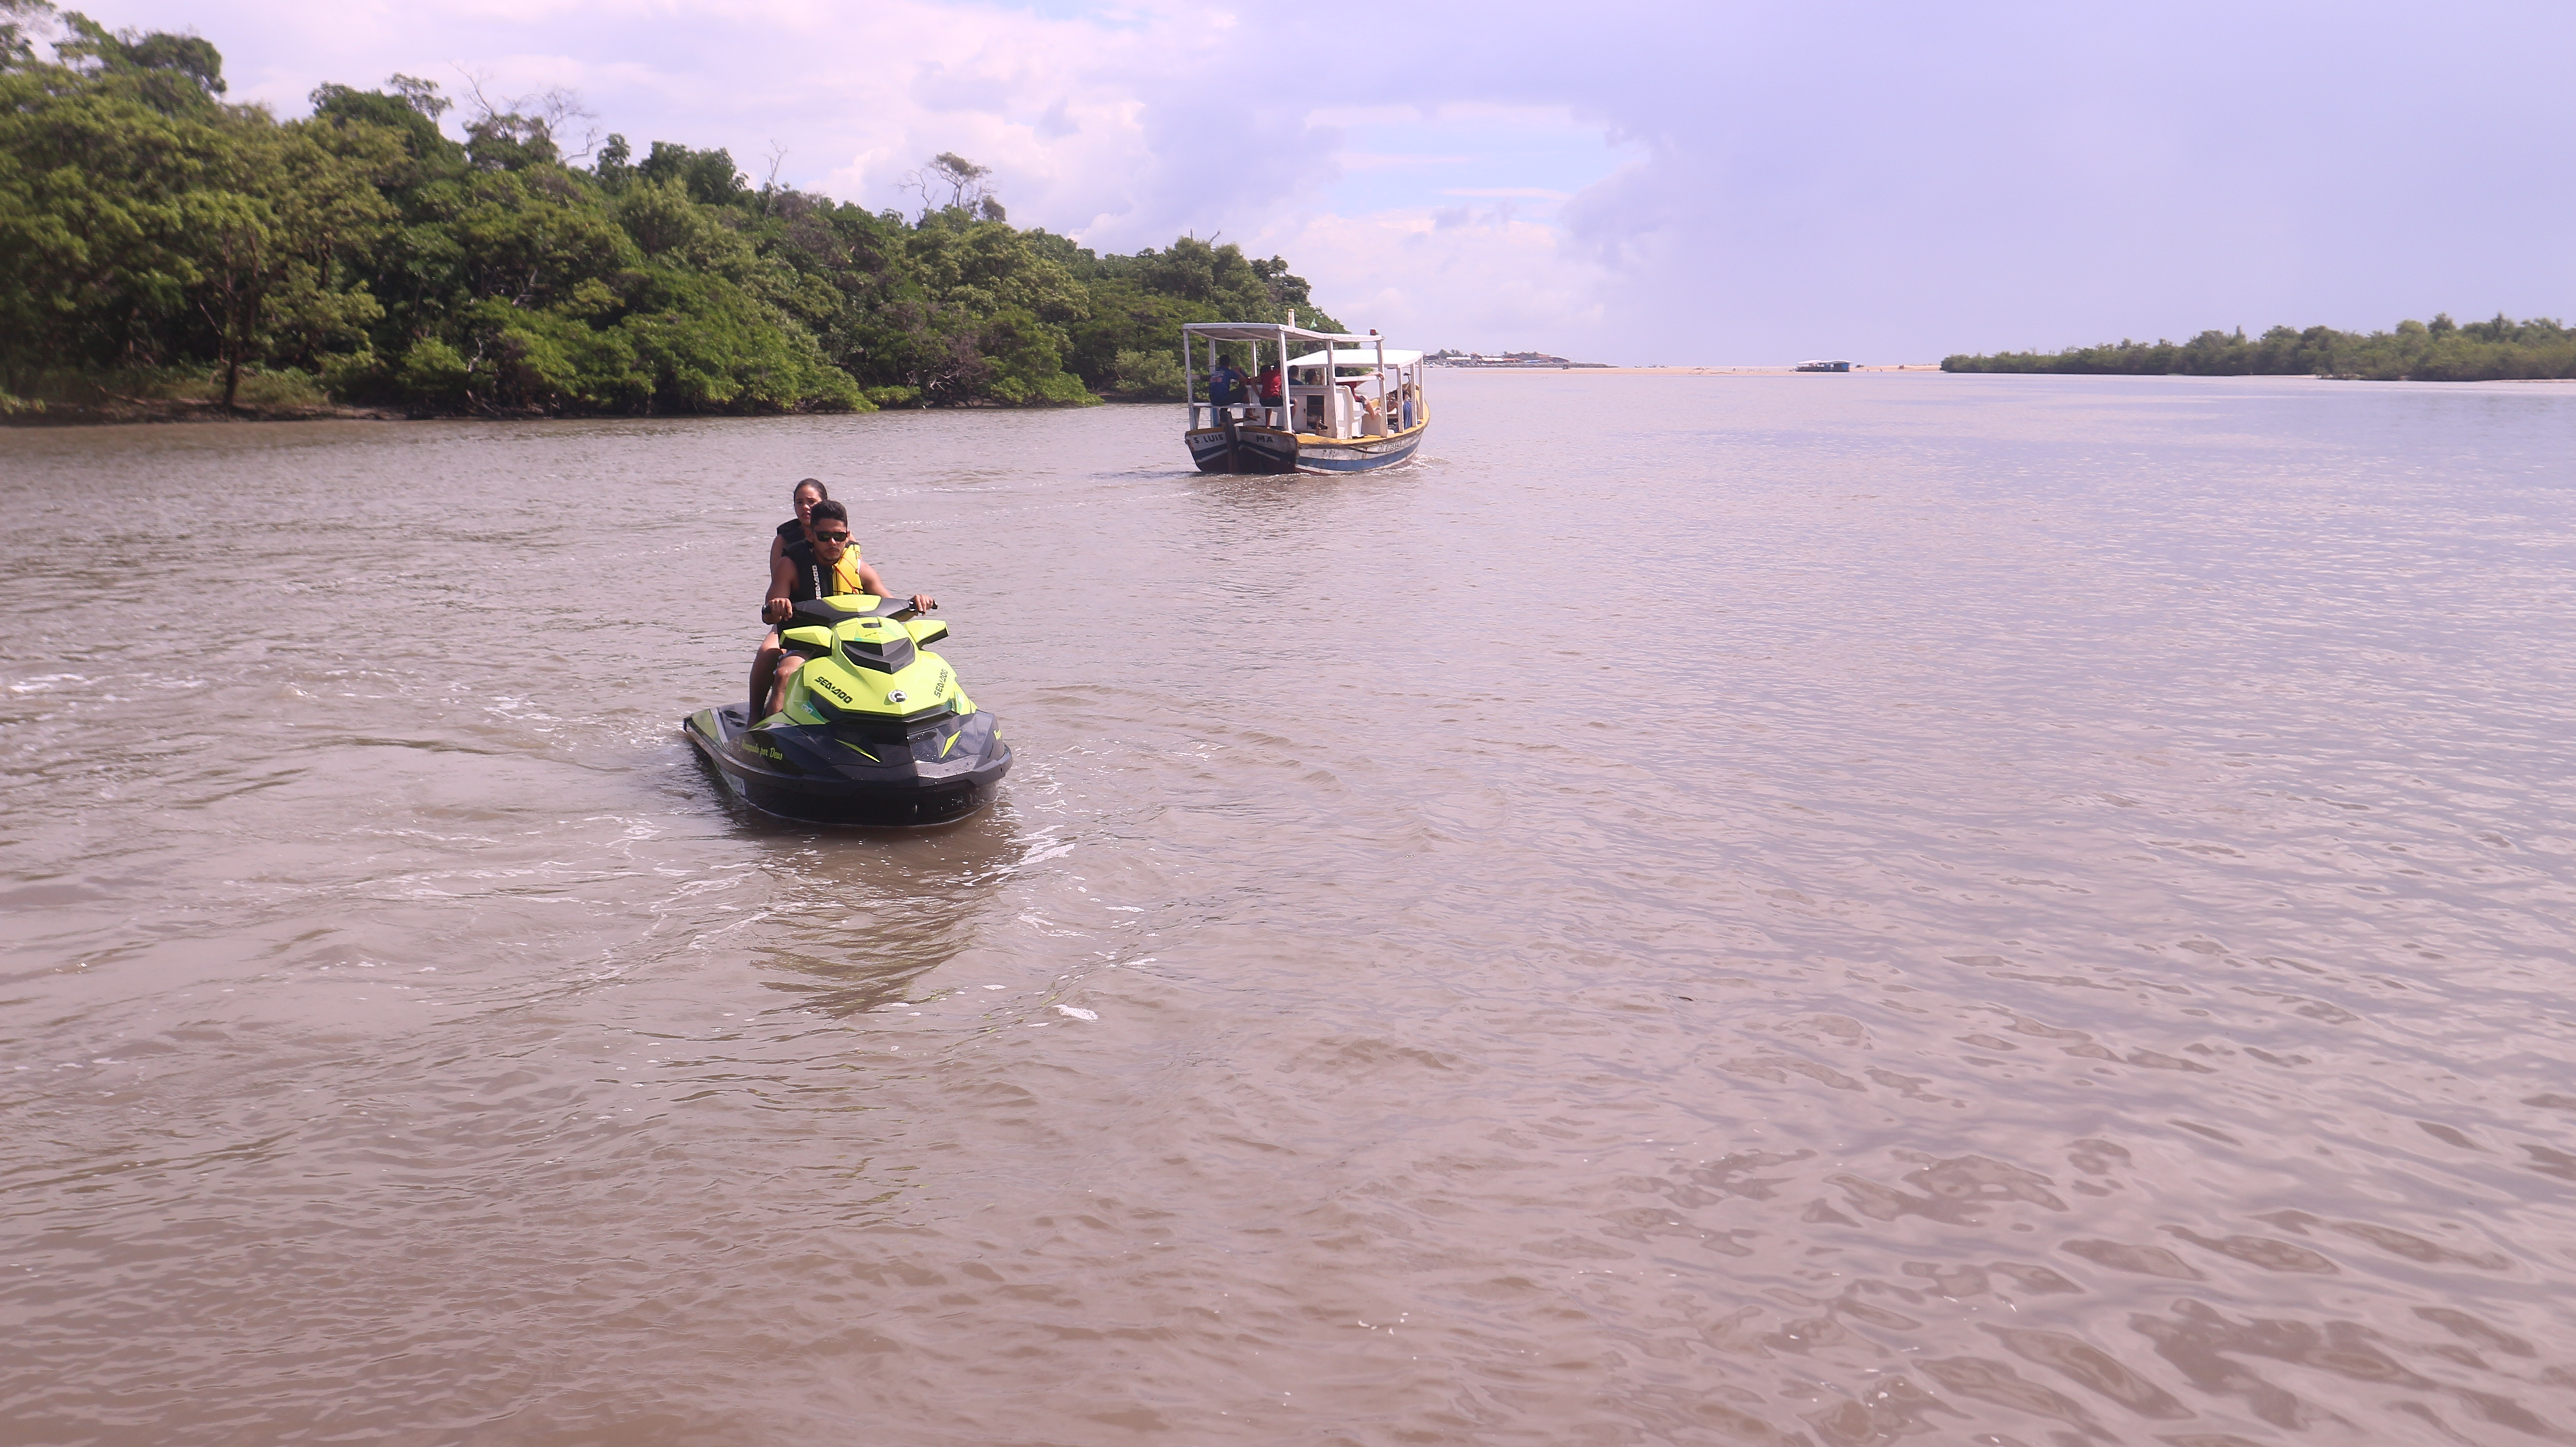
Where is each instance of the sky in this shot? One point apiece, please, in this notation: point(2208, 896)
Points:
point(1682, 184)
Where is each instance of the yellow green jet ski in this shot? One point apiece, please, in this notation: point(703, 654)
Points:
point(875, 728)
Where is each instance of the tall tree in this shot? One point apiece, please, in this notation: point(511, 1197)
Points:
point(152, 230)
point(268, 236)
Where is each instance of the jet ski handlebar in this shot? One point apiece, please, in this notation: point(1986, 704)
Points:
point(827, 611)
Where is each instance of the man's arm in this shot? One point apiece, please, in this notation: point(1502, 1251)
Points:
point(875, 585)
point(782, 581)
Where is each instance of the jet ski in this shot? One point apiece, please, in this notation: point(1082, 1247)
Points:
point(875, 729)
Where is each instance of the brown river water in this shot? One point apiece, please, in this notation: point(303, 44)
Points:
point(1819, 910)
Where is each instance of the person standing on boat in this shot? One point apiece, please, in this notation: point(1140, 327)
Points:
point(1225, 385)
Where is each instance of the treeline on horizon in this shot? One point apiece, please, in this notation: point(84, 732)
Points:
point(158, 242)
point(2441, 350)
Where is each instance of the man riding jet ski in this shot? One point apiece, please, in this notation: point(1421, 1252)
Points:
point(869, 727)
point(821, 561)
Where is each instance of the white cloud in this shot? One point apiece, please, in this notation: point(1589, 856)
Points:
point(1475, 280)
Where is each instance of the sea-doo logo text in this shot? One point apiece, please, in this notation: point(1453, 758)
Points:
point(834, 689)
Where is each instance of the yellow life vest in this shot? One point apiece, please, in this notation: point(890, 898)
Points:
point(845, 573)
point(844, 579)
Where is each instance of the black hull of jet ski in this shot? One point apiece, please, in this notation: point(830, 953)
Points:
point(805, 772)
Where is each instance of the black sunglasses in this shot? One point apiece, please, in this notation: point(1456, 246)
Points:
point(831, 537)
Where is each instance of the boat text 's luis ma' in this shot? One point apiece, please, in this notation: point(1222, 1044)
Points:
point(1346, 404)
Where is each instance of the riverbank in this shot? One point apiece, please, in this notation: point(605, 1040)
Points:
point(122, 410)
point(114, 410)
point(70, 397)
point(287, 399)
point(2442, 350)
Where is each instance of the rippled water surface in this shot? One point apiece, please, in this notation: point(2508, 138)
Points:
point(1790, 910)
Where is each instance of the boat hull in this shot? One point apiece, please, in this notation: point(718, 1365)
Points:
point(1356, 454)
point(1267, 450)
point(903, 794)
point(1239, 449)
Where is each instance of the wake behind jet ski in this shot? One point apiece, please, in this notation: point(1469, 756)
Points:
point(872, 728)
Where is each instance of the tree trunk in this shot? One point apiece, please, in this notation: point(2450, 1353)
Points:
point(244, 316)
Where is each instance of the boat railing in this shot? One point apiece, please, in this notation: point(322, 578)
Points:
point(1251, 414)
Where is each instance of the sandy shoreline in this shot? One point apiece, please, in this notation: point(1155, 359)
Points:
point(1783, 371)
point(1933, 369)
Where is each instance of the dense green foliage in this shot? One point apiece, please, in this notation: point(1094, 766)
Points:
point(2439, 351)
point(151, 232)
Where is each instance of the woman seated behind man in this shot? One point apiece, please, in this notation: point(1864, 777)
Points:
point(825, 566)
point(805, 494)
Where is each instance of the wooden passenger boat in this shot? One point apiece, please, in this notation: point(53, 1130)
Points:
point(1345, 403)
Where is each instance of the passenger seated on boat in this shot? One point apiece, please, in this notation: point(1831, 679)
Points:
point(1267, 387)
point(1408, 405)
point(1225, 387)
point(826, 567)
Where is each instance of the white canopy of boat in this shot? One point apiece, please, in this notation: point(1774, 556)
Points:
point(1265, 332)
point(1357, 358)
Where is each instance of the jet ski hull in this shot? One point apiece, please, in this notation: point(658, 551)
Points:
point(806, 772)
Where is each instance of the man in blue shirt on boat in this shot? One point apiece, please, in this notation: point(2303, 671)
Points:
point(1225, 386)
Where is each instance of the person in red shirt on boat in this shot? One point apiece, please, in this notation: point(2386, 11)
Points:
point(1268, 388)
